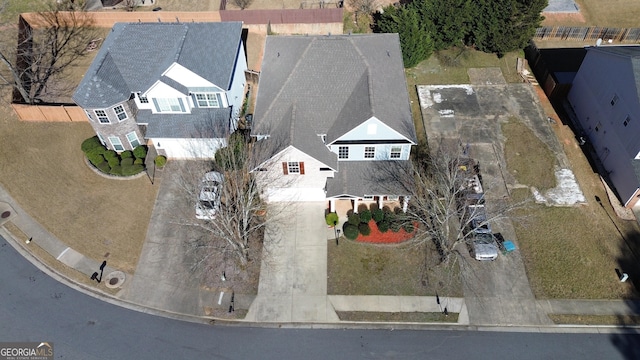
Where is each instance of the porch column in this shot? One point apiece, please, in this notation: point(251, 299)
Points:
point(332, 205)
point(355, 205)
point(405, 203)
point(380, 202)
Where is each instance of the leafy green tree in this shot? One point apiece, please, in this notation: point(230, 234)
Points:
point(415, 41)
point(501, 26)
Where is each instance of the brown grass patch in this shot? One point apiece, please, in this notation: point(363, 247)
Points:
point(397, 316)
point(626, 320)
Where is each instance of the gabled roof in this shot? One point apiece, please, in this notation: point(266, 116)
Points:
point(135, 55)
point(208, 123)
point(630, 52)
point(313, 85)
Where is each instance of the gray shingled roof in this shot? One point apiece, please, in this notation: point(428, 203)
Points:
point(359, 178)
point(632, 52)
point(134, 56)
point(312, 85)
point(201, 123)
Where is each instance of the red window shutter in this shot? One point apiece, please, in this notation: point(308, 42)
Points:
point(285, 168)
point(301, 168)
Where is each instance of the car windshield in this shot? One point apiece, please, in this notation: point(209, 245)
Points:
point(484, 239)
point(207, 204)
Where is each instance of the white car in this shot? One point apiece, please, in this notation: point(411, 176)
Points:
point(485, 247)
point(209, 198)
point(479, 223)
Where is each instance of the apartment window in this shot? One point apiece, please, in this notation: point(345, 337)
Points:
point(143, 99)
point(116, 143)
point(396, 152)
point(343, 152)
point(169, 105)
point(208, 100)
point(627, 120)
point(369, 152)
point(614, 100)
point(133, 139)
point(102, 116)
point(120, 113)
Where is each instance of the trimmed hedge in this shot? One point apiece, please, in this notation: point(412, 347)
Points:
point(408, 227)
point(90, 144)
point(140, 152)
point(365, 216)
point(364, 229)
point(104, 167)
point(110, 154)
point(350, 231)
point(126, 161)
point(113, 161)
point(383, 226)
point(126, 154)
point(331, 219)
point(160, 161)
point(377, 215)
point(395, 226)
point(116, 170)
point(354, 219)
point(138, 161)
point(128, 170)
point(96, 159)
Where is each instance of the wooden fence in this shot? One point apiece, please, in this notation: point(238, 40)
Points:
point(49, 112)
point(591, 33)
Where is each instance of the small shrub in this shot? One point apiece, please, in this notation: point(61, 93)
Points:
point(104, 167)
point(365, 216)
point(138, 161)
point(383, 226)
point(95, 159)
point(140, 152)
point(128, 170)
point(354, 219)
point(98, 150)
point(90, 144)
point(350, 231)
point(116, 170)
point(364, 229)
point(110, 154)
point(395, 226)
point(408, 227)
point(160, 161)
point(331, 219)
point(126, 154)
point(389, 216)
point(126, 161)
point(113, 161)
point(377, 215)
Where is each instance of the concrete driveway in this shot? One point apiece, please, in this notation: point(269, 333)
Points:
point(163, 278)
point(293, 274)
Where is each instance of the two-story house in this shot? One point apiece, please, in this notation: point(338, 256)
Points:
point(178, 86)
point(332, 110)
point(605, 100)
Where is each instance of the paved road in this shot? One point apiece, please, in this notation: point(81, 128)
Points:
point(35, 307)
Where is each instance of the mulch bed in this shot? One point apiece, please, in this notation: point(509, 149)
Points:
point(388, 237)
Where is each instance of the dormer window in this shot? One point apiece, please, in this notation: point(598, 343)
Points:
point(207, 100)
point(143, 99)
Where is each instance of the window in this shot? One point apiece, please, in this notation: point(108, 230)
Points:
point(369, 152)
point(143, 99)
point(89, 115)
point(368, 197)
point(627, 120)
point(102, 116)
point(133, 139)
point(343, 152)
point(396, 152)
point(120, 113)
point(294, 167)
point(169, 105)
point(207, 100)
point(116, 143)
point(101, 139)
point(325, 169)
point(393, 197)
point(614, 100)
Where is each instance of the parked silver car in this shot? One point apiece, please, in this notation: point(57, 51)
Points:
point(209, 198)
point(484, 247)
point(478, 215)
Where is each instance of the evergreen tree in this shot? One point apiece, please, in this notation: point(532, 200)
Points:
point(449, 21)
point(501, 26)
point(415, 41)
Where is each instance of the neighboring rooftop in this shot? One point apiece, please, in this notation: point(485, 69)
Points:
point(135, 55)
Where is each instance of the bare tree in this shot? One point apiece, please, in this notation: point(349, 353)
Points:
point(363, 6)
point(50, 44)
point(242, 4)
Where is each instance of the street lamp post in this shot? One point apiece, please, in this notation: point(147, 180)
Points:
point(337, 236)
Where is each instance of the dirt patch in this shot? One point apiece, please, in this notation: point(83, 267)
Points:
point(397, 316)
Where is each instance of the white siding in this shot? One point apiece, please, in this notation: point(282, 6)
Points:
point(189, 148)
point(188, 78)
point(279, 187)
point(363, 131)
point(236, 92)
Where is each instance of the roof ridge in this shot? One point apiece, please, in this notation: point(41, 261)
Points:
point(369, 77)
